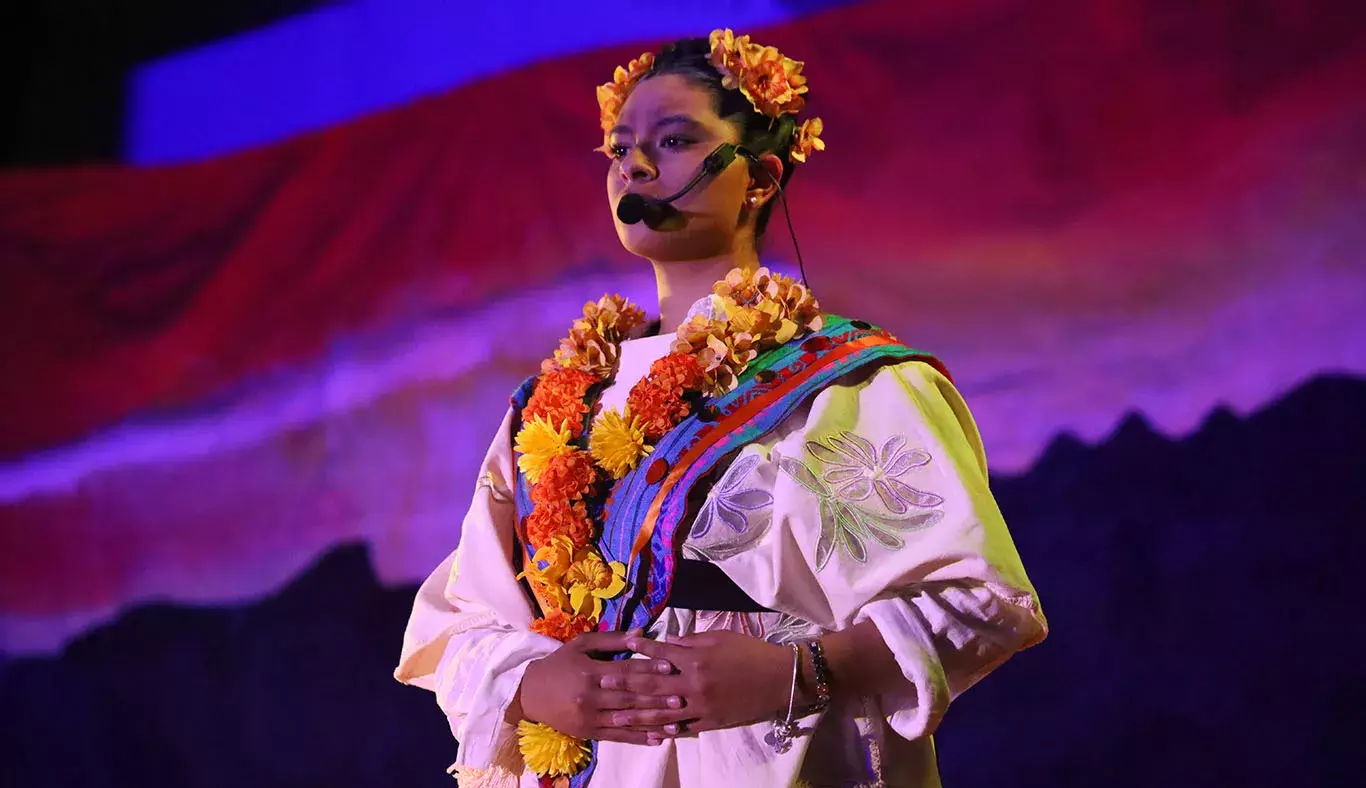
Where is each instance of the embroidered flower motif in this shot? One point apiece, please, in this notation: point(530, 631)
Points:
point(591, 580)
point(856, 470)
point(789, 629)
point(618, 442)
point(732, 503)
point(846, 524)
point(539, 442)
point(548, 752)
point(773, 627)
point(729, 621)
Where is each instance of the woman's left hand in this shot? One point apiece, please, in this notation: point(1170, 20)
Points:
point(731, 679)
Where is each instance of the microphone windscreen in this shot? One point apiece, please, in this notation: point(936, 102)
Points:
point(632, 208)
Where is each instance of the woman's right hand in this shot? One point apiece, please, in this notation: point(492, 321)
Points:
point(564, 690)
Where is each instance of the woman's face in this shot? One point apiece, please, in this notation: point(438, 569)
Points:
point(667, 127)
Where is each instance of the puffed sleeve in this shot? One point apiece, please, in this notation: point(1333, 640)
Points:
point(468, 638)
point(870, 503)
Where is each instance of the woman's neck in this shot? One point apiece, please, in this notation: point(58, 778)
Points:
point(682, 283)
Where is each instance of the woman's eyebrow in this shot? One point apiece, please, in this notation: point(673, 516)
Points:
point(667, 120)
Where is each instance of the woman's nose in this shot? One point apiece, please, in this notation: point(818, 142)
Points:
point(637, 167)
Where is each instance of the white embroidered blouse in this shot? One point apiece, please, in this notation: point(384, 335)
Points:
point(869, 503)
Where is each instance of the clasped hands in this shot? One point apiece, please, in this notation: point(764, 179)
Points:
point(705, 681)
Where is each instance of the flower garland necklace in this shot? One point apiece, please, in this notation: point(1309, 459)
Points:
point(571, 468)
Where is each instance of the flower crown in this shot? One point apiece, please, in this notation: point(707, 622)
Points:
point(773, 83)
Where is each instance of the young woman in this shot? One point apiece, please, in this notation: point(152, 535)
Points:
point(755, 550)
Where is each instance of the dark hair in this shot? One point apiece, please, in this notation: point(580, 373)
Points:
point(760, 134)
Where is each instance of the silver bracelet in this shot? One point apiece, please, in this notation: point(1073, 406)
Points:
point(780, 738)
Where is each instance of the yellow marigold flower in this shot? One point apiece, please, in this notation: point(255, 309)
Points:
point(538, 442)
point(551, 596)
point(591, 580)
point(548, 581)
point(807, 139)
point(557, 556)
point(548, 752)
point(618, 442)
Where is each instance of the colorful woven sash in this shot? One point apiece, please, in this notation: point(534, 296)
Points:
point(647, 516)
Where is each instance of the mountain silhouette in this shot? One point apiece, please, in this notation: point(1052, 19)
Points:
point(1203, 633)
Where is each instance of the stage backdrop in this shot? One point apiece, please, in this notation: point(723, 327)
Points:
point(247, 376)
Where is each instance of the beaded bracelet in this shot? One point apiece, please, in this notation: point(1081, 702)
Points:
point(821, 673)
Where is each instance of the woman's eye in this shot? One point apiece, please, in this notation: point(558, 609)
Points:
point(674, 141)
point(617, 151)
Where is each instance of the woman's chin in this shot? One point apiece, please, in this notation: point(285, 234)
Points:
point(644, 241)
point(666, 241)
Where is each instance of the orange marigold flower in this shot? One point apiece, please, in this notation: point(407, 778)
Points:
point(559, 519)
point(566, 478)
point(568, 412)
point(559, 398)
point(658, 409)
point(562, 626)
point(677, 372)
